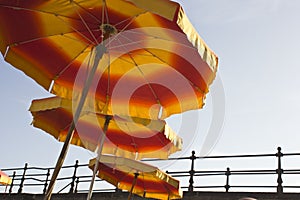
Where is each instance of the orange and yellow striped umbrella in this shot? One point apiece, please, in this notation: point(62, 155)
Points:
point(134, 138)
point(5, 179)
point(153, 63)
point(137, 177)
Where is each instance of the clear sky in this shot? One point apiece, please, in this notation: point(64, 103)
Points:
point(257, 42)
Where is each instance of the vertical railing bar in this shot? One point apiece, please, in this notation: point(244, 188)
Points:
point(76, 186)
point(74, 177)
point(279, 171)
point(227, 173)
point(192, 172)
point(46, 181)
point(12, 182)
point(23, 179)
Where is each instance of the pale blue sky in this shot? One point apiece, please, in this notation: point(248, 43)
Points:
point(258, 45)
point(257, 42)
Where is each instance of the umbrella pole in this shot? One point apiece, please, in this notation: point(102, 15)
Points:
point(133, 184)
point(100, 50)
point(100, 147)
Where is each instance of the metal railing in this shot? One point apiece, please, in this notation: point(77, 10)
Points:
point(37, 178)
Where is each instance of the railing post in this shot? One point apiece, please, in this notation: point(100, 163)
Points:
point(12, 182)
point(46, 181)
point(227, 173)
point(192, 172)
point(118, 190)
point(74, 177)
point(76, 186)
point(23, 179)
point(279, 172)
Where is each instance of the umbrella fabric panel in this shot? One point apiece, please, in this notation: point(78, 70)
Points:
point(129, 137)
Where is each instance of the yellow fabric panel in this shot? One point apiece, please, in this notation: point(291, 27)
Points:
point(127, 9)
point(164, 8)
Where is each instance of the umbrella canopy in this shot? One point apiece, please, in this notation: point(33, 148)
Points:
point(5, 179)
point(134, 138)
point(56, 41)
point(137, 177)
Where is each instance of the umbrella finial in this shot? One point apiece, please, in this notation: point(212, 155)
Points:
point(108, 29)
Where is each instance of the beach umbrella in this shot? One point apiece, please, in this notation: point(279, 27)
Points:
point(134, 138)
point(137, 177)
point(150, 46)
point(4, 178)
point(131, 57)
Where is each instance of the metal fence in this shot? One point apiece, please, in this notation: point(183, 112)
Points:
point(35, 179)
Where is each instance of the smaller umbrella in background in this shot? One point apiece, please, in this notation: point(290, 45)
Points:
point(137, 177)
point(130, 137)
point(4, 179)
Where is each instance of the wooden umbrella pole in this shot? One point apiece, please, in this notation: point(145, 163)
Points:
point(133, 184)
point(100, 147)
point(100, 50)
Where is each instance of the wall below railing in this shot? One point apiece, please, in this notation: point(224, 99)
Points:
point(187, 196)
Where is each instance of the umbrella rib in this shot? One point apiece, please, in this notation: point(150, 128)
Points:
point(77, 31)
point(89, 13)
point(122, 45)
point(72, 38)
point(39, 11)
point(191, 83)
point(131, 19)
point(50, 13)
point(66, 67)
point(154, 37)
point(40, 38)
point(147, 50)
point(75, 57)
point(108, 78)
point(102, 21)
point(105, 10)
point(143, 75)
point(86, 26)
point(126, 60)
point(132, 139)
point(140, 54)
point(6, 51)
point(126, 26)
